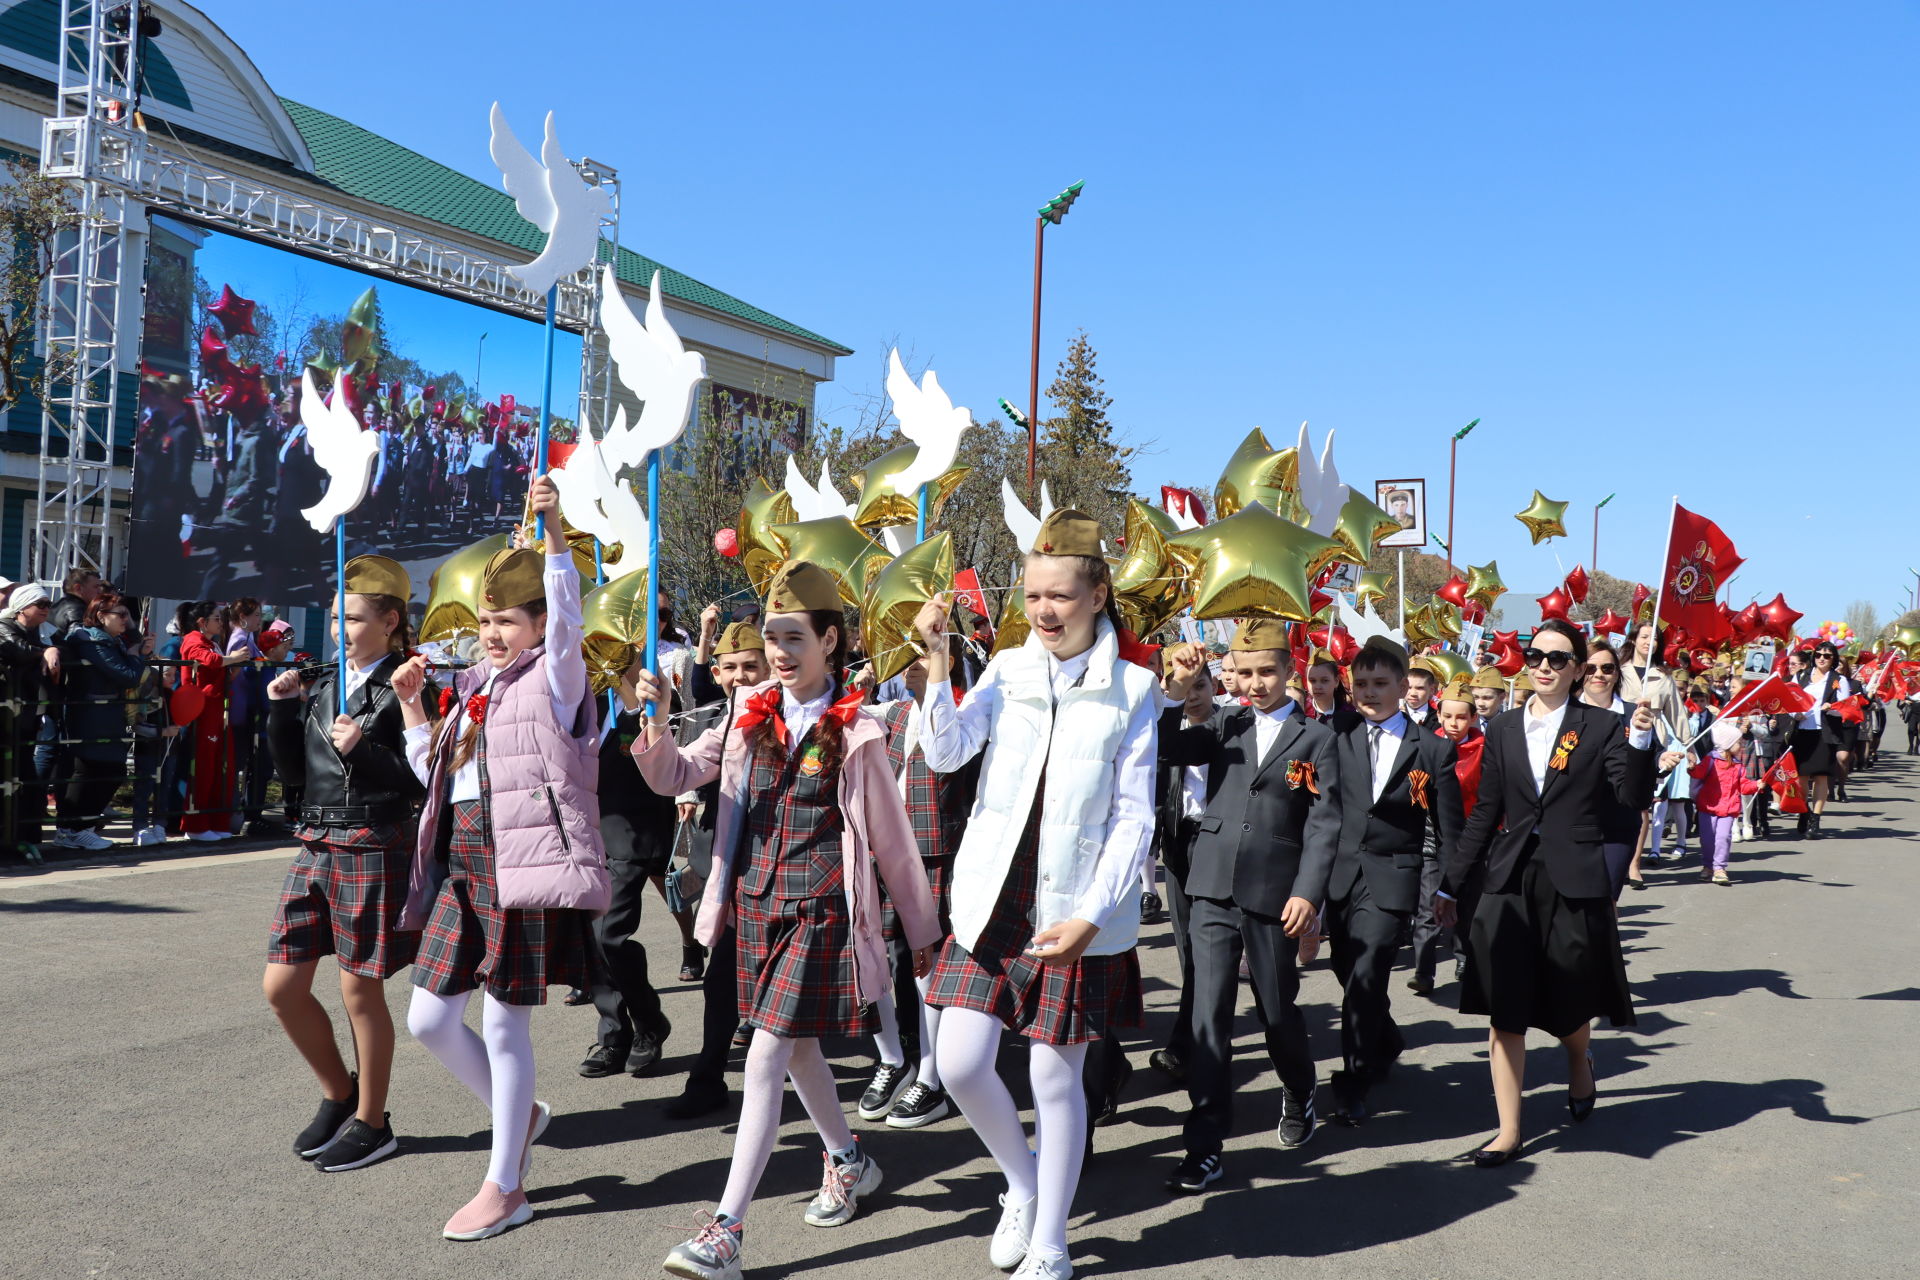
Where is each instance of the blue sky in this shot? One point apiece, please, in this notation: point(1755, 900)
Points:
point(1654, 248)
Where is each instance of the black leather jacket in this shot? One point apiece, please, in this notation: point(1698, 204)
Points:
point(374, 783)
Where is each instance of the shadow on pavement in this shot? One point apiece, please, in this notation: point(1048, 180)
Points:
point(88, 906)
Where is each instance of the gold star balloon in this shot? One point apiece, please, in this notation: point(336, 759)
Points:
point(1359, 526)
point(613, 624)
point(893, 598)
point(1153, 515)
point(1252, 564)
point(1483, 583)
point(1544, 518)
point(1257, 473)
point(1907, 638)
point(1446, 620)
point(761, 554)
point(1370, 589)
point(1419, 627)
point(1011, 629)
point(1451, 667)
point(1147, 586)
point(881, 503)
point(836, 545)
point(453, 591)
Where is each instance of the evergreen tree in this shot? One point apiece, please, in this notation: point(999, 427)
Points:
point(1080, 456)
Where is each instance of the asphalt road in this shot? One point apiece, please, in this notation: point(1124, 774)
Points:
point(1761, 1120)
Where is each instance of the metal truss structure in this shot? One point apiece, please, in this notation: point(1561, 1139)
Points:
point(92, 140)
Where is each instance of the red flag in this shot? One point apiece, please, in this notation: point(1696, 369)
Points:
point(966, 589)
point(1775, 695)
point(1852, 710)
point(1789, 795)
point(1700, 558)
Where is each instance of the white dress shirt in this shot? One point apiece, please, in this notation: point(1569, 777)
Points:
point(357, 676)
point(802, 716)
point(1384, 743)
point(1542, 731)
point(1267, 726)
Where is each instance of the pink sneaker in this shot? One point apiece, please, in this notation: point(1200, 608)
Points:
point(489, 1213)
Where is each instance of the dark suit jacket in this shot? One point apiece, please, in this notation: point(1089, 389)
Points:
point(1384, 841)
point(1570, 812)
point(1263, 839)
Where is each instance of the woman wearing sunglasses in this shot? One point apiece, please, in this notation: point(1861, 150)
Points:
point(1542, 948)
point(1600, 687)
point(1819, 747)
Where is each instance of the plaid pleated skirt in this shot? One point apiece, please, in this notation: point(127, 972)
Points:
point(343, 896)
point(1051, 1003)
point(795, 972)
point(471, 941)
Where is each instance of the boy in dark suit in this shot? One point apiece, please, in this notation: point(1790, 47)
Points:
point(1397, 785)
point(1258, 864)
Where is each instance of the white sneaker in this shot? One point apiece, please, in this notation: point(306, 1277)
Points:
point(91, 841)
point(1045, 1266)
point(713, 1254)
point(205, 837)
point(150, 836)
point(840, 1190)
point(1013, 1235)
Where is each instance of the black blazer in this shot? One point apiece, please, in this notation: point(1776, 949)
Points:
point(1263, 839)
point(1570, 812)
point(374, 783)
point(1384, 841)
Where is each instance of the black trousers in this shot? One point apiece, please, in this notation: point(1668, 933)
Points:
point(1220, 932)
point(720, 1016)
point(1180, 916)
point(1431, 939)
point(620, 988)
point(1365, 936)
point(82, 803)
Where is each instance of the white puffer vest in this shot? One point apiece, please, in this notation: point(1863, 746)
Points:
point(1074, 746)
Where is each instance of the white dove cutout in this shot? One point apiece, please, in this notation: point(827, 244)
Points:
point(550, 194)
point(815, 502)
point(1365, 625)
point(594, 501)
point(654, 365)
point(344, 449)
point(1321, 492)
point(929, 419)
point(1022, 523)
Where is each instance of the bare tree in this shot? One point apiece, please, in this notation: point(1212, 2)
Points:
point(34, 212)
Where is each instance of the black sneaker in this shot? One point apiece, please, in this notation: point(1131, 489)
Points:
point(743, 1035)
point(647, 1046)
point(699, 1098)
point(1296, 1118)
point(920, 1104)
point(328, 1123)
point(885, 1089)
point(1195, 1174)
point(358, 1146)
point(1150, 907)
point(604, 1060)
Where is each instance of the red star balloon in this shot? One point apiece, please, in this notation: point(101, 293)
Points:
point(1576, 584)
point(1508, 660)
point(1610, 624)
point(1554, 604)
point(1747, 624)
point(234, 313)
point(215, 363)
point(1779, 618)
point(1640, 596)
point(1455, 592)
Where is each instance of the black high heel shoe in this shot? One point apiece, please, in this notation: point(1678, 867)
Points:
point(1581, 1108)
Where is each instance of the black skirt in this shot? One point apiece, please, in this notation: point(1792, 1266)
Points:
point(1536, 958)
point(1812, 753)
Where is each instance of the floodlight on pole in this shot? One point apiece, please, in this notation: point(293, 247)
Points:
point(1050, 212)
point(1596, 529)
point(1453, 461)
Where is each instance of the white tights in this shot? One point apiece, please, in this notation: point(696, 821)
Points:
point(888, 1037)
point(771, 1061)
point(497, 1064)
point(969, 1043)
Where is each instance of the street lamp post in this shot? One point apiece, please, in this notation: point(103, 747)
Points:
point(479, 357)
point(1051, 212)
point(1596, 529)
point(1453, 466)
